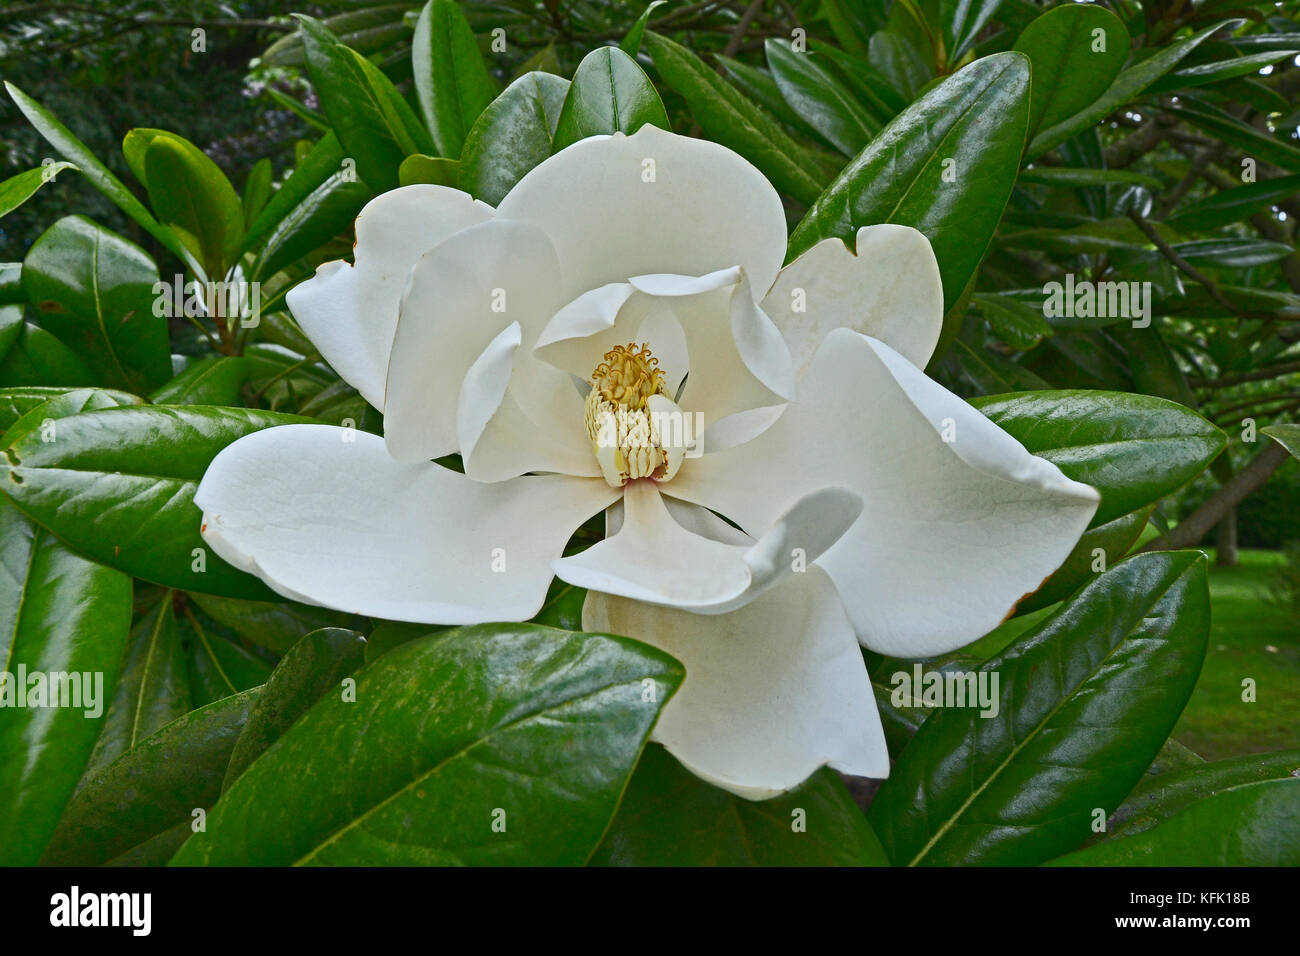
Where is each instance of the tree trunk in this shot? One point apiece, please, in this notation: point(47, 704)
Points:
point(1227, 536)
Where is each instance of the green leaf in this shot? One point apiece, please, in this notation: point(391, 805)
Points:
point(323, 161)
point(1159, 797)
point(451, 80)
point(1233, 205)
point(731, 119)
point(1288, 436)
point(329, 210)
point(214, 380)
point(1114, 539)
point(670, 817)
point(257, 189)
point(631, 44)
point(1232, 253)
point(59, 614)
point(17, 402)
point(152, 789)
point(1134, 449)
point(94, 290)
point(437, 170)
point(609, 94)
point(1257, 824)
point(153, 689)
point(514, 134)
point(277, 625)
point(1070, 72)
point(813, 92)
point(534, 729)
point(1230, 130)
point(192, 196)
point(1203, 74)
point(1086, 176)
point(119, 484)
point(16, 190)
point(75, 152)
point(313, 667)
point(37, 358)
point(900, 62)
point(1125, 88)
point(962, 21)
point(1085, 701)
point(945, 165)
point(217, 668)
point(563, 606)
point(1019, 325)
point(375, 126)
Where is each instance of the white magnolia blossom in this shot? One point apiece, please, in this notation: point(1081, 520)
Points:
point(625, 287)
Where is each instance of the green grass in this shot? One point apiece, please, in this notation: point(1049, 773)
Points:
point(1246, 624)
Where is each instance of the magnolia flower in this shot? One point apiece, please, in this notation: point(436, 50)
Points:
point(566, 345)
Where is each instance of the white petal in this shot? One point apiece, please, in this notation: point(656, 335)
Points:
point(773, 691)
point(890, 289)
point(952, 534)
point(618, 206)
point(498, 439)
point(654, 559)
point(350, 311)
point(324, 515)
point(463, 294)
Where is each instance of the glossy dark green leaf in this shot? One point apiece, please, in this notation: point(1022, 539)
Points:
point(35, 358)
point(119, 484)
point(327, 211)
point(388, 635)
point(1233, 205)
point(1257, 824)
point(670, 817)
point(563, 606)
point(324, 160)
point(275, 625)
point(1288, 436)
point(312, 668)
point(1073, 64)
point(75, 152)
point(94, 290)
point(901, 63)
point(609, 94)
point(1134, 449)
point(190, 194)
point(63, 623)
point(1085, 701)
point(1016, 323)
point(1232, 253)
point(514, 134)
point(214, 380)
point(1159, 797)
point(16, 190)
point(728, 117)
point(376, 127)
point(451, 80)
point(815, 94)
point(945, 165)
point(532, 728)
point(1125, 87)
point(153, 788)
point(17, 402)
point(991, 372)
point(962, 22)
point(153, 687)
point(217, 668)
point(366, 30)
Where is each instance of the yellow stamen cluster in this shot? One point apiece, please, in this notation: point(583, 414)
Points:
point(628, 376)
point(620, 421)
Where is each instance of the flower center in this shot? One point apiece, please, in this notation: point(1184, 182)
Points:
point(625, 417)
